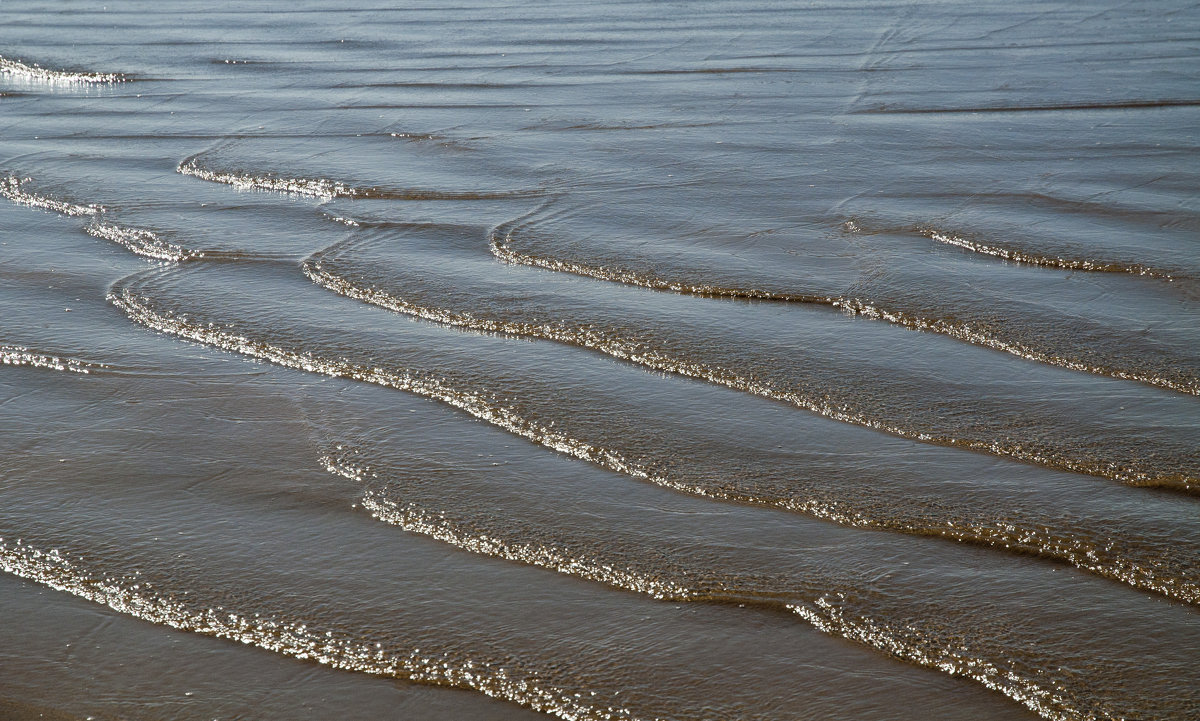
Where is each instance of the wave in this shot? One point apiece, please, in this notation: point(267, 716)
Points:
point(10, 188)
point(944, 641)
point(1124, 560)
point(501, 243)
point(317, 188)
point(38, 74)
point(326, 189)
point(647, 351)
point(1045, 699)
point(1040, 695)
point(298, 639)
point(142, 242)
point(1097, 555)
point(475, 403)
point(14, 355)
point(972, 334)
point(414, 519)
point(1033, 258)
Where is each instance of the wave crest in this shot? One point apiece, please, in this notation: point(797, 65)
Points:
point(1020, 256)
point(298, 639)
point(14, 355)
point(142, 242)
point(10, 188)
point(327, 189)
point(36, 73)
point(501, 245)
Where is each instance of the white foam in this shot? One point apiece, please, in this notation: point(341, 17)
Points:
point(37, 74)
point(21, 356)
point(141, 242)
point(11, 189)
point(299, 639)
point(314, 187)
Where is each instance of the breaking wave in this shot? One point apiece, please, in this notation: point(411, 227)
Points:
point(298, 639)
point(326, 189)
point(650, 351)
point(501, 244)
point(474, 403)
point(36, 73)
point(142, 242)
point(825, 612)
point(14, 355)
point(10, 188)
point(1032, 258)
point(1147, 568)
point(854, 614)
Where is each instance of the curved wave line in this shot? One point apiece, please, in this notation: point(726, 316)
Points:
point(317, 188)
point(474, 403)
point(635, 352)
point(826, 611)
point(502, 250)
point(141, 242)
point(10, 188)
point(14, 355)
point(298, 639)
point(326, 189)
point(36, 73)
point(1081, 553)
point(1043, 699)
point(1020, 256)
point(1084, 555)
point(414, 520)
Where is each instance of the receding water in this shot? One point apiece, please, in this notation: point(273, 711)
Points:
point(710, 360)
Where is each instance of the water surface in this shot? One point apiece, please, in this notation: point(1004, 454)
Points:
point(621, 361)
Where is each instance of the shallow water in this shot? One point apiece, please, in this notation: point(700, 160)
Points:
point(705, 361)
